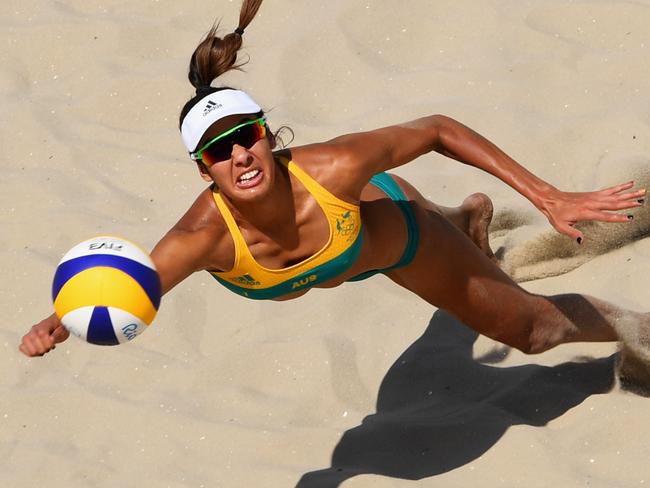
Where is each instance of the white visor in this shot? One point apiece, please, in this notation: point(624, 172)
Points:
point(211, 108)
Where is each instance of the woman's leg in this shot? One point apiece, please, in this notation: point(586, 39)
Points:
point(472, 217)
point(452, 273)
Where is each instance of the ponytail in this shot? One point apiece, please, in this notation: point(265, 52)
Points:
point(215, 56)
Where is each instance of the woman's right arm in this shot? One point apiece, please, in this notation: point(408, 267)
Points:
point(178, 254)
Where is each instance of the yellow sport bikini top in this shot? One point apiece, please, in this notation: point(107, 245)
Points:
point(252, 280)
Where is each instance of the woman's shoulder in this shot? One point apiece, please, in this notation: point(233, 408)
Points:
point(203, 229)
point(318, 155)
point(326, 162)
point(202, 215)
point(202, 219)
point(320, 159)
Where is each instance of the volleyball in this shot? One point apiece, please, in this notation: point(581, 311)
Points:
point(106, 290)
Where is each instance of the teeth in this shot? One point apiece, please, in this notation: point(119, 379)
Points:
point(250, 175)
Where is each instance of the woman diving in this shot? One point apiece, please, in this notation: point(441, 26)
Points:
point(275, 223)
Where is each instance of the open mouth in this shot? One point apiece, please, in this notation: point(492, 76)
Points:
point(249, 179)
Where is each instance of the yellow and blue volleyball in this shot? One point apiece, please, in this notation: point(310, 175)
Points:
point(106, 290)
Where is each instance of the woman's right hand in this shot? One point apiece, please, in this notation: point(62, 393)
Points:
point(43, 337)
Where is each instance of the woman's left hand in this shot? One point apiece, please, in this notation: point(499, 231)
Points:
point(564, 209)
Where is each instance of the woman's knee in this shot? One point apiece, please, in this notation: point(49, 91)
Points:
point(528, 326)
point(516, 333)
point(541, 327)
point(451, 273)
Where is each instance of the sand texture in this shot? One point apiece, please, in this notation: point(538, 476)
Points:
point(364, 385)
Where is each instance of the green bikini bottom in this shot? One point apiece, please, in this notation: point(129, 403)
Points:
point(385, 183)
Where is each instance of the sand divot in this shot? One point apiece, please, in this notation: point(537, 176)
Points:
point(531, 250)
point(633, 371)
point(633, 365)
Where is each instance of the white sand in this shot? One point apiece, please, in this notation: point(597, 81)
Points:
point(227, 392)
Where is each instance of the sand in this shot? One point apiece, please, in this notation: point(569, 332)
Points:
point(364, 385)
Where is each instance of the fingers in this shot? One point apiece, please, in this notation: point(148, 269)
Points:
point(37, 342)
point(60, 334)
point(611, 203)
point(572, 232)
point(568, 229)
point(634, 197)
point(43, 337)
point(618, 188)
point(608, 217)
point(599, 206)
point(621, 205)
point(616, 192)
point(614, 201)
point(614, 218)
point(601, 216)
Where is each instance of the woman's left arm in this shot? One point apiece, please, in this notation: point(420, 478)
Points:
point(368, 153)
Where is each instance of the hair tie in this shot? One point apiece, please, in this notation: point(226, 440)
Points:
point(239, 31)
point(204, 90)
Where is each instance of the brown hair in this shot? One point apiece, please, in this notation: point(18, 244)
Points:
point(214, 56)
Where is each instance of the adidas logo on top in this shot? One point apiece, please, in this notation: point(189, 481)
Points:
point(210, 106)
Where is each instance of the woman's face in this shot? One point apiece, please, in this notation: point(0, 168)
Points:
point(249, 172)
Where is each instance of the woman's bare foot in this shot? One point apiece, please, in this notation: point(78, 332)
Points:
point(633, 367)
point(472, 217)
point(478, 209)
point(633, 372)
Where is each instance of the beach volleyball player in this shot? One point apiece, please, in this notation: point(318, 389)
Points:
point(275, 223)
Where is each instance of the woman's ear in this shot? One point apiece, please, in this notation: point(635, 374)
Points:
point(203, 170)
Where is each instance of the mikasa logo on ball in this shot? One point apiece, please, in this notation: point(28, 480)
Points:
point(130, 331)
point(114, 246)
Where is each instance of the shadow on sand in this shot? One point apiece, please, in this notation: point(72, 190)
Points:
point(438, 408)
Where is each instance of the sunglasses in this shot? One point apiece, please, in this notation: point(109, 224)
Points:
point(220, 148)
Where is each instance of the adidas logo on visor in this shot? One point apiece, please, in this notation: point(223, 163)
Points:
point(210, 107)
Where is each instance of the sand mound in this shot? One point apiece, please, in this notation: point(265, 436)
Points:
point(529, 252)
